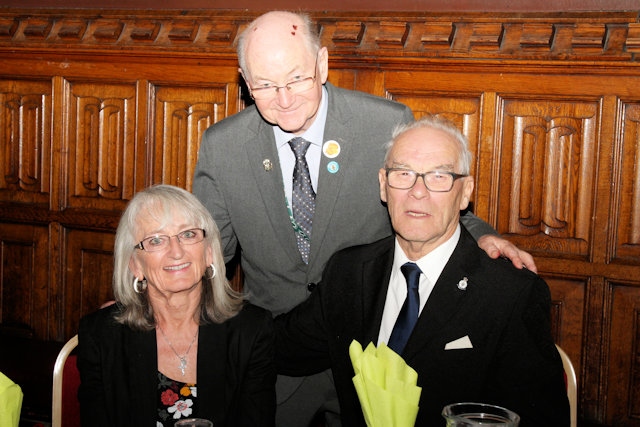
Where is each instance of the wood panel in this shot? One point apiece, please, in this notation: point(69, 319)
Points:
point(88, 261)
point(25, 149)
point(96, 105)
point(181, 115)
point(627, 178)
point(100, 138)
point(25, 294)
point(623, 353)
point(547, 156)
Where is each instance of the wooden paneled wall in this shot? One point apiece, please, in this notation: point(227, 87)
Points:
point(96, 105)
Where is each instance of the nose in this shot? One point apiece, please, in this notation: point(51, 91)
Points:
point(175, 247)
point(419, 189)
point(285, 97)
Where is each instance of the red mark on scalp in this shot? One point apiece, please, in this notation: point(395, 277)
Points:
point(295, 27)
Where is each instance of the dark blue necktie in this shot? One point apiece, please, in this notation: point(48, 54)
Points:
point(304, 198)
point(410, 309)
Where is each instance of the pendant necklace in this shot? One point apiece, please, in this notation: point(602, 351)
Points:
point(183, 359)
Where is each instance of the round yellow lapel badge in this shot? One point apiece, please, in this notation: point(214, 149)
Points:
point(331, 149)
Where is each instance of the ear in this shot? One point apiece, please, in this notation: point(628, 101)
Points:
point(209, 255)
point(467, 191)
point(135, 267)
point(382, 179)
point(323, 65)
point(246, 81)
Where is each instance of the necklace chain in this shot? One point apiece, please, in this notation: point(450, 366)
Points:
point(183, 359)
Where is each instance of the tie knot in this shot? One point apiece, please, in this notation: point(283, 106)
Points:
point(411, 273)
point(299, 146)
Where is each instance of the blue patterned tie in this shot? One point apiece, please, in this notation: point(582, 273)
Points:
point(410, 309)
point(304, 198)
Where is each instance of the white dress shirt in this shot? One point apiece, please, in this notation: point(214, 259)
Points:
point(315, 135)
point(431, 266)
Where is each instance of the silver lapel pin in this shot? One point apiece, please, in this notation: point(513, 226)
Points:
point(266, 163)
point(462, 284)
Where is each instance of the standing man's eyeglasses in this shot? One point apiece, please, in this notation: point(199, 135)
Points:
point(298, 85)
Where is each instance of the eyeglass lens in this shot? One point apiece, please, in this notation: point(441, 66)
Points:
point(159, 242)
point(434, 181)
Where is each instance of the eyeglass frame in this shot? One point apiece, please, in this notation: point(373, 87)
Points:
point(141, 247)
point(287, 86)
point(454, 175)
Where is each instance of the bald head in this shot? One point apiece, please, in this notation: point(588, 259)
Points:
point(276, 49)
point(272, 34)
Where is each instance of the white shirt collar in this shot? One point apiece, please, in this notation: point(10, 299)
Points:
point(432, 263)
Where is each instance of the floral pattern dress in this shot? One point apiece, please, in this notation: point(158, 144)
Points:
point(176, 400)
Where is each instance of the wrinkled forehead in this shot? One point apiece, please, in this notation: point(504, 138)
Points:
point(425, 145)
point(275, 35)
point(276, 25)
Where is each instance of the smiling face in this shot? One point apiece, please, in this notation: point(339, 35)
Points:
point(423, 219)
point(178, 268)
point(277, 53)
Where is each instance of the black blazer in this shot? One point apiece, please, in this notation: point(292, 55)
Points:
point(504, 311)
point(236, 372)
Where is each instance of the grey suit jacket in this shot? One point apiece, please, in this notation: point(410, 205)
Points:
point(505, 313)
point(248, 203)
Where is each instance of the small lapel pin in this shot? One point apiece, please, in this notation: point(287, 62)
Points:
point(333, 167)
point(462, 284)
point(331, 149)
point(266, 163)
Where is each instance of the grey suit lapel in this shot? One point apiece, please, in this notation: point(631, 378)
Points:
point(270, 186)
point(329, 184)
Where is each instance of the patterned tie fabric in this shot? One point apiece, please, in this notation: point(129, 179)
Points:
point(304, 198)
point(410, 309)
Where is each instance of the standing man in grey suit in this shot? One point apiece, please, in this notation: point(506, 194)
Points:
point(245, 168)
point(475, 329)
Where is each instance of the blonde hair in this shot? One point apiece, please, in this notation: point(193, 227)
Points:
point(219, 301)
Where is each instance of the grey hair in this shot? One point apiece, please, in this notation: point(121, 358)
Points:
point(219, 301)
point(442, 124)
point(309, 31)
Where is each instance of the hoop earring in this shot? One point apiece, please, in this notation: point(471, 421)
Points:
point(213, 272)
point(139, 286)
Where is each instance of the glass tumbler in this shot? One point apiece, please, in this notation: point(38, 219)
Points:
point(193, 422)
point(470, 414)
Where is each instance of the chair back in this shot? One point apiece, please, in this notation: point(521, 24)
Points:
point(66, 380)
point(572, 385)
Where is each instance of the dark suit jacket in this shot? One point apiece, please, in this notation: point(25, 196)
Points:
point(119, 372)
point(248, 204)
point(504, 311)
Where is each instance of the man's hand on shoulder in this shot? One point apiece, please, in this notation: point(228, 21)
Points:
point(496, 246)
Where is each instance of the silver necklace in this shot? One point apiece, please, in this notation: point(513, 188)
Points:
point(183, 359)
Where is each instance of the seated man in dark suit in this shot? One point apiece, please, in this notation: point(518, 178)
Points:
point(482, 327)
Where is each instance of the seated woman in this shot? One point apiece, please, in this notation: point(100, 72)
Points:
point(179, 342)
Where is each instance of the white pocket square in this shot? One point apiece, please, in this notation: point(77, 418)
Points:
point(463, 342)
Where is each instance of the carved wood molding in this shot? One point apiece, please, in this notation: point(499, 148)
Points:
point(608, 36)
